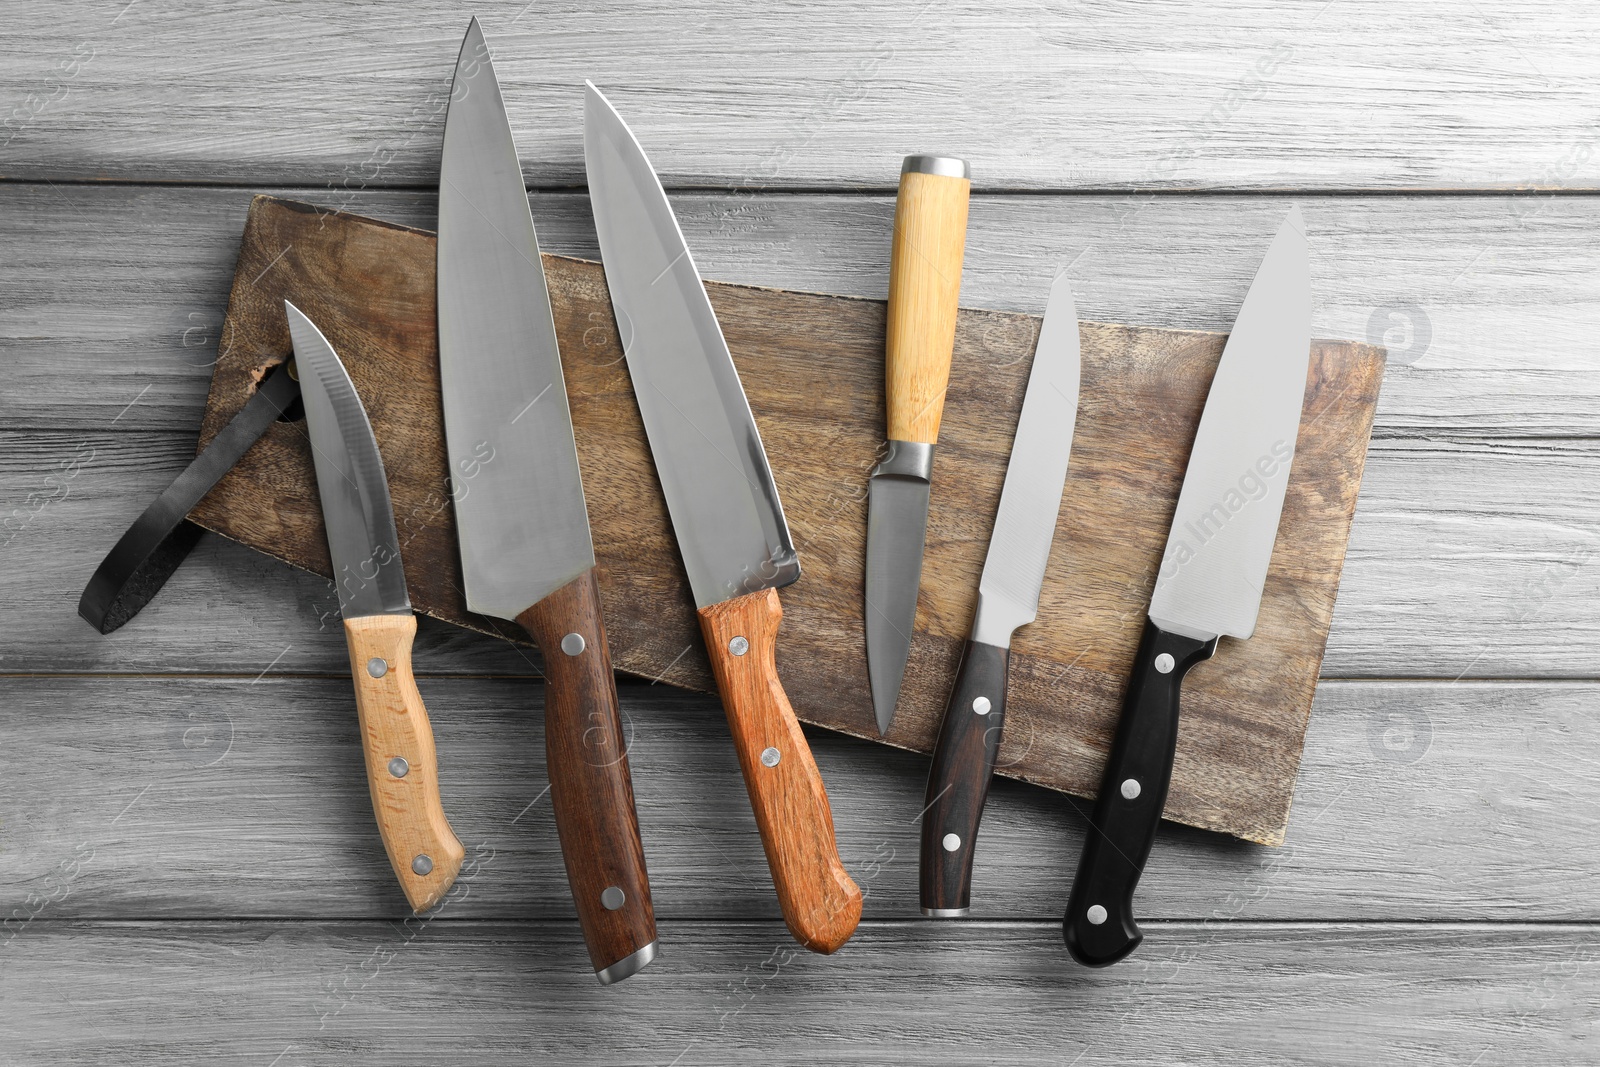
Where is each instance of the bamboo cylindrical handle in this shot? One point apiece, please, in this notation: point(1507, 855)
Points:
point(930, 237)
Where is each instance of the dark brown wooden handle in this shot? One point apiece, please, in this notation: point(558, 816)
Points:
point(958, 781)
point(590, 787)
point(821, 904)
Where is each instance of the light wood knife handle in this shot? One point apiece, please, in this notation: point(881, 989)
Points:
point(394, 727)
point(930, 237)
point(591, 790)
point(821, 903)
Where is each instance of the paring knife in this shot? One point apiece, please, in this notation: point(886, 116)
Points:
point(402, 769)
point(1008, 598)
point(724, 506)
point(1209, 584)
point(930, 235)
point(521, 521)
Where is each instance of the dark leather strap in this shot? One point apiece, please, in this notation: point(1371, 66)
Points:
point(145, 557)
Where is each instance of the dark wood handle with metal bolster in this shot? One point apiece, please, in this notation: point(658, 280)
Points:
point(821, 903)
point(1099, 926)
point(958, 781)
point(590, 787)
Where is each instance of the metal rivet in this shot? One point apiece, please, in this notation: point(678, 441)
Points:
point(1130, 789)
point(421, 865)
point(377, 667)
point(770, 756)
point(399, 767)
point(613, 897)
point(738, 646)
point(294, 370)
point(572, 644)
point(951, 842)
point(1164, 663)
point(1097, 915)
point(981, 705)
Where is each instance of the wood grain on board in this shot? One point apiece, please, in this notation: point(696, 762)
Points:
point(812, 366)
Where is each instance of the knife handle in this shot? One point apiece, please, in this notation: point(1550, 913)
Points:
point(821, 904)
point(958, 781)
point(1099, 926)
point(402, 767)
point(590, 787)
point(930, 237)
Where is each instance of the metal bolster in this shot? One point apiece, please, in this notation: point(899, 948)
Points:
point(627, 966)
point(995, 621)
point(946, 913)
point(948, 166)
point(907, 459)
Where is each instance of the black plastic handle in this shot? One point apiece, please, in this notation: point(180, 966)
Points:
point(1099, 925)
point(958, 782)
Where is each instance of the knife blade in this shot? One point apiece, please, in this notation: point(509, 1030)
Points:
point(1008, 598)
point(725, 512)
point(521, 522)
point(930, 230)
point(396, 738)
point(1209, 585)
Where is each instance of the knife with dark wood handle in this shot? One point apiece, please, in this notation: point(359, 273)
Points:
point(521, 520)
point(1008, 598)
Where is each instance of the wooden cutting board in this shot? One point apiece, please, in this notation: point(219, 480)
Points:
point(812, 366)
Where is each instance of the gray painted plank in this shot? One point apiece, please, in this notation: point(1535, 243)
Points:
point(115, 294)
point(1475, 559)
point(210, 798)
point(920, 993)
point(1353, 95)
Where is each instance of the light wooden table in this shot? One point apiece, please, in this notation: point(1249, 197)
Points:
point(188, 858)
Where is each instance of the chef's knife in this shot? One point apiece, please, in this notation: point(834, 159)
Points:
point(521, 522)
point(402, 770)
point(724, 506)
point(1209, 584)
point(930, 234)
point(1008, 598)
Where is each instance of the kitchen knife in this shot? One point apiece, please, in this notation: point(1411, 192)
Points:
point(930, 234)
point(523, 528)
point(1209, 584)
point(724, 507)
point(1008, 598)
point(402, 769)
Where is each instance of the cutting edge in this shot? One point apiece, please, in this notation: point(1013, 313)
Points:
point(351, 484)
point(733, 538)
point(1213, 570)
point(1030, 499)
point(521, 520)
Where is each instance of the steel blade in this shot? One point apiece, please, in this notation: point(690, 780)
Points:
point(708, 455)
point(1030, 499)
point(1227, 516)
point(520, 516)
point(897, 527)
point(350, 480)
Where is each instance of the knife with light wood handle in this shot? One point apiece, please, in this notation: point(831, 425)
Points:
point(402, 771)
point(930, 235)
point(725, 512)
